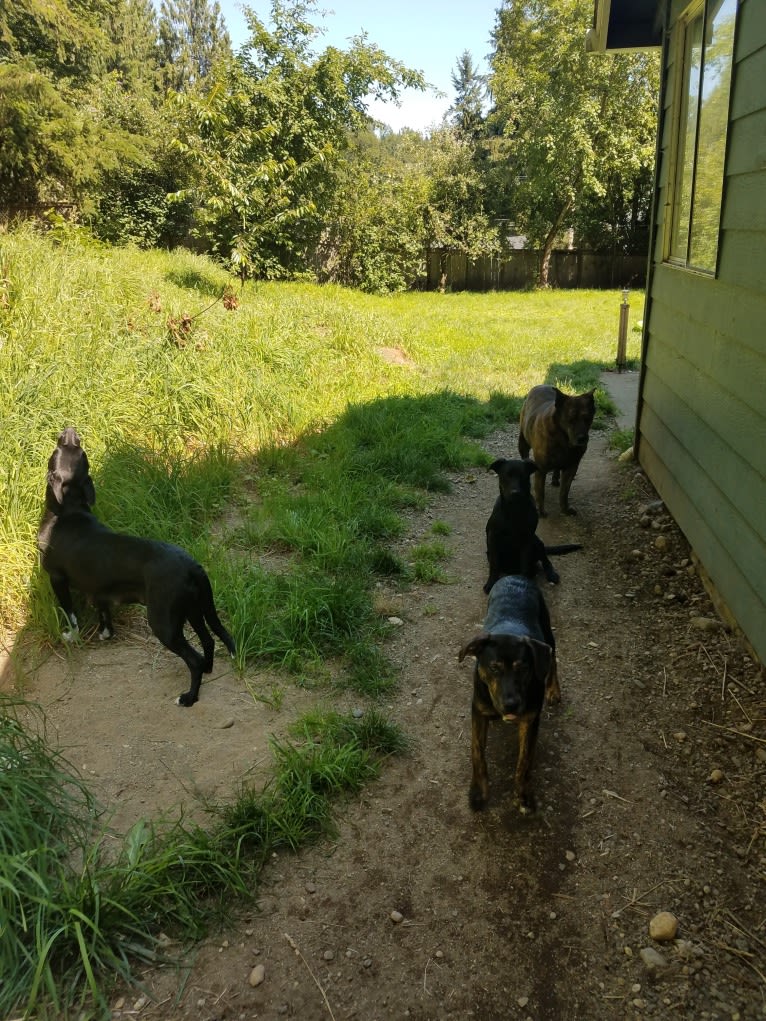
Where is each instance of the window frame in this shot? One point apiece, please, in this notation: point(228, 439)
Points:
point(681, 93)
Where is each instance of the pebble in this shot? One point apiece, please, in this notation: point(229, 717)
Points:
point(227, 723)
point(570, 856)
point(329, 955)
point(661, 542)
point(257, 975)
point(663, 927)
point(523, 1001)
point(706, 623)
point(716, 776)
point(396, 917)
point(653, 959)
point(395, 621)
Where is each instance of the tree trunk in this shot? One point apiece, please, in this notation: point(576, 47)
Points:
point(545, 254)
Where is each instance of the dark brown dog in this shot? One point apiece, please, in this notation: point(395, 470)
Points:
point(515, 672)
point(513, 546)
point(555, 426)
point(77, 550)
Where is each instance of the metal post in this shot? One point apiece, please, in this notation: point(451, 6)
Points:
point(622, 335)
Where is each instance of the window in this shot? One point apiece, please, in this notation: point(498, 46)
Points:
point(705, 53)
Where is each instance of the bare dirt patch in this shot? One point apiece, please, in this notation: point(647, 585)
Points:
point(650, 779)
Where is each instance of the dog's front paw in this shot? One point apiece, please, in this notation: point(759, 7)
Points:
point(185, 699)
point(526, 804)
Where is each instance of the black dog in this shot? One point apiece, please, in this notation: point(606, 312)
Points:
point(78, 551)
point(513, 547)
point(515, 672)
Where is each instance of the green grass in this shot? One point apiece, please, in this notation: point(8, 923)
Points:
point(281, 448)
point(75, 915)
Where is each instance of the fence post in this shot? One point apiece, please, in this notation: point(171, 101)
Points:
point(622, 334)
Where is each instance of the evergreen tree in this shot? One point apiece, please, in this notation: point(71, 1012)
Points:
point(470, 89)
point(193, 38)
point(134, 33)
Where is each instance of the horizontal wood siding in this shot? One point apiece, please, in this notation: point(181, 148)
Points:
point(702, 416)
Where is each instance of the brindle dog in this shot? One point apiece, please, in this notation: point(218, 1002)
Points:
point(555, 426)
point(515, 672)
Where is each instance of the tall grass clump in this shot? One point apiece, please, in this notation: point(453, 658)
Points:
point(80, 906)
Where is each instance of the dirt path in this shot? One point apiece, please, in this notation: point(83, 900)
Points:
point(501, 917)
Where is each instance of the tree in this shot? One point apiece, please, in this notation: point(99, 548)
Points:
point(265, 137)
point(466, 113)
point(454, 214)
point(134, 32)
point(193, 38)
point(574, 127)
point(374, 232)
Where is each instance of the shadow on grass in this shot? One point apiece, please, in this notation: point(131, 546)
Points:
point(330, 504)
point(194, 280)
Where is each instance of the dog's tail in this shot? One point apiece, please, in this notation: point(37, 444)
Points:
point(567, 547)
point(210, 613)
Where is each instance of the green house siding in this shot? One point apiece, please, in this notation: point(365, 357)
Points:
point(702, 413)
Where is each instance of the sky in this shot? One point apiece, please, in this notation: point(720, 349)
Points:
point(427, 35)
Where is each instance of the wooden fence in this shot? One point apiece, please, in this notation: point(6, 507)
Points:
point(518, 270)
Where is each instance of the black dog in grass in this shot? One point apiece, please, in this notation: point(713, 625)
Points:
point(78, 551)
point(515, 672)
point(513, 547)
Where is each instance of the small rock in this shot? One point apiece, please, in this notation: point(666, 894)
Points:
point(257, 975)
point(706, 623)
point(644, 521)
point(140, 1003)
point(119, 1004)
point(661, 542)
point(570, 856)
point(395, 621)
point(523, 1001)
point(716, 776)
point(663, 927)
point(311, 888)
point(227, 723)
point(358, 714)
point(329, 955)
point(653, 959)
point(680, 736)
point(396, 917)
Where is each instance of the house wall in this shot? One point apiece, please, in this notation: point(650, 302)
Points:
point(702, 423)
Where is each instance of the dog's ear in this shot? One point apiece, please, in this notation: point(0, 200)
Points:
point(83, 472)
point(542, 657)
point(530, 465)
point(474, 647)
point(56, 485)
point(89, 491)
point(496, 466)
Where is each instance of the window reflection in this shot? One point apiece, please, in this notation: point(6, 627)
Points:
point(707, 61)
